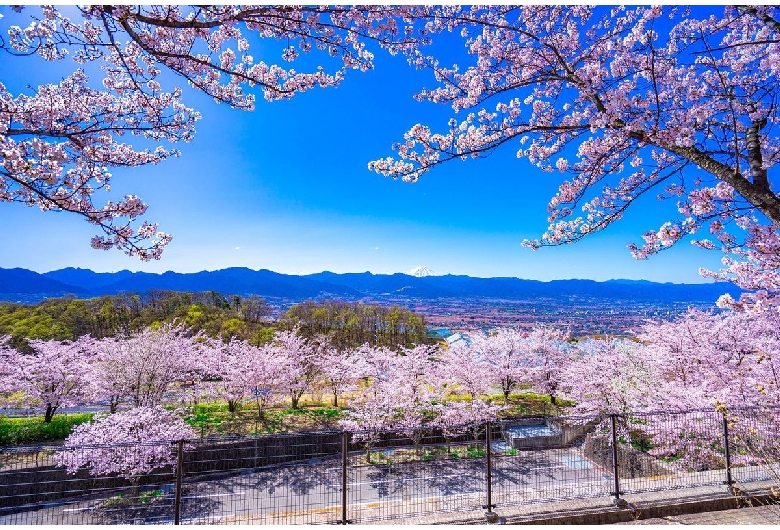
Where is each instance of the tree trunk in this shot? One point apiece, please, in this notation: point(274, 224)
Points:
point(295, 397)
point(135, 483)
point(49, 414)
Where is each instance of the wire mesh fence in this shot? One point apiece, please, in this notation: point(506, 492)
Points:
point(339, 477)
point(544, 459)
point(754, 445)
point(671, 450)
point(35, 488)
point(416, 473)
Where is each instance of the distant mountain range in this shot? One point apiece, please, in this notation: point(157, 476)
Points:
point(27, 286)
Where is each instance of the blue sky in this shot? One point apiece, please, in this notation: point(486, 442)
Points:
point(287, 188)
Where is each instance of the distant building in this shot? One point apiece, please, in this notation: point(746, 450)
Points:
point(456, 338)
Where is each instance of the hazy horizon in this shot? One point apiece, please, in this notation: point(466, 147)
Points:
point(408, 273)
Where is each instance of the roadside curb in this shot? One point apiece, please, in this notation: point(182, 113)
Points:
point(635, 512)
point(596, 511)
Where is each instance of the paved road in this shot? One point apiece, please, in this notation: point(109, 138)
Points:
point(310, 492)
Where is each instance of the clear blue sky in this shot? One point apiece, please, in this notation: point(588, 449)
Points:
point(287, 188)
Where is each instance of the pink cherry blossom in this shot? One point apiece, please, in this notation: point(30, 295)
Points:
point(627, 101)
point(130, 443)
point(52, 376)
point(144, 366)
point(59, 142)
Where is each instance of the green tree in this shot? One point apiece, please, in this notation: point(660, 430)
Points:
point(348, 325)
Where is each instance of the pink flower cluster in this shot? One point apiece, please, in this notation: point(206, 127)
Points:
point(59, 142)
point(622, 109)
point(130, 443)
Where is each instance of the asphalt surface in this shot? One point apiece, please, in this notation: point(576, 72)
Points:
point(310, 492)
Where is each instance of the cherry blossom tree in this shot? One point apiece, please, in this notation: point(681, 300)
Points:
point(400, 398)
point(233, 366)
point(667, 388)
point(59, 142)
point(463, 370)
point(413, 389)
point(247, 370)
point(708, 359)
point(624, 102)
point(130, 443)
point(549, 354)
point(505, 351)
point(51, 377)
point(724, 361)
point(609, 377)
point(297, 365)
point(379, 363)
point(340, 372)
point(457, 417)
point(368, 415)
point(145, 365)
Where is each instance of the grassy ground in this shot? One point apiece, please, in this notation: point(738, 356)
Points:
point(210, 420)
point(214, 419)
point(16, 431)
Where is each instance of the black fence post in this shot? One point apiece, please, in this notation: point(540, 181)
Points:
point(489, 454)
point(729, 482)
point(615, 468)
point(179, 475)
point(344, 470)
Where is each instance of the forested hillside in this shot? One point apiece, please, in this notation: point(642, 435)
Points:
point(349, 325)
point(70, 318)
point(345, 324)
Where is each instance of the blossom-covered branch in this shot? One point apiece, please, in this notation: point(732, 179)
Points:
point(59, 142)
point(624, 101)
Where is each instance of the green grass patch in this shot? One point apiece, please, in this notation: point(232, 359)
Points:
point(116, 500)
point(215, 420)
point(328, 413)
point(213, 407)
point(150, 496)
point(543, 398)
point(203, 420)
point(522, 404)
point(425, 454)
point(16, 431)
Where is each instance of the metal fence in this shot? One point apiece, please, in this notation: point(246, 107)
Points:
point(340, 477)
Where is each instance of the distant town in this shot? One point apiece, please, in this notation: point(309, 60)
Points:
point(583, 316)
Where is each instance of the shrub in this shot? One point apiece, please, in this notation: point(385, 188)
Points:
point(15, 431)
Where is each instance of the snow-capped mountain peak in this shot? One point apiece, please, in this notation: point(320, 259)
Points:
point(421, 272)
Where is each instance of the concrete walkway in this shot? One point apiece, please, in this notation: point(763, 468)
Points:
point(755, 515)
